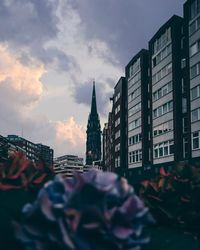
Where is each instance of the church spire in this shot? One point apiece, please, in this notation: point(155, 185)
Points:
point(93, 104)
point(93, 144)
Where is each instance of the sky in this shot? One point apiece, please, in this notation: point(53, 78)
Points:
point(52, 50)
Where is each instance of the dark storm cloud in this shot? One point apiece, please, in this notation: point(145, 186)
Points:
point(126, 25)
point(83, 95)
point(30, 24)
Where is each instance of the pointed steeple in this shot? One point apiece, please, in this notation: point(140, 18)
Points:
point(93, 104)
point(93, 144)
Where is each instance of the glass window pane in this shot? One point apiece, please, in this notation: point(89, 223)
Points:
point(194, 115)
point(193, 71)
point(195, 143)
point(193, 49)
point(194, 93)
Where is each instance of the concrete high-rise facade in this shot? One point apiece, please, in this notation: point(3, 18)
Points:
point(192, 27)
point(169, 104)
point(137, 112)
point(163, 98)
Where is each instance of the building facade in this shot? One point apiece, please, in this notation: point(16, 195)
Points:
point(119, 127)
point(169, 102)
point(137, 112)
point(45, 154)
point(192, 24)
point(162, 100)
point(93, 144)
point(34, 152)
point(66, 165)
point(108, 144)
point(7, 148)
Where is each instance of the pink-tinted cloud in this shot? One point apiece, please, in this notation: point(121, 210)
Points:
point(19, 84)
point(71, 132)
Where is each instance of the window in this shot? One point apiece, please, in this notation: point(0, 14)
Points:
point(162, 73)
point(134, 124)
point(117, 122)
point(134, 109)
point(185, 126)
point(135, 79)
point(163, 149)
point(135, 139)
point(117, 134)
point(195, 140)
point(135, 156)
point(193, 27)
point(117, 109)
point(117, 162)
point(193, 49)
point(117, 147)
point(184, 105)
point(134, 94)
point(165, 108)
point(194, 8)
point(183, 63)
point(195, 70)
point(195, 115)
point(162, 41)
point(185, 147)
point(134, 68)
point(163, 128)
point(195, 92)
point(117, 97)
point(162, 55)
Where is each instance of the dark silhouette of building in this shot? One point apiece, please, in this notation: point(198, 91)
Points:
point(119, 126)
point(108, 144)
point(7, 148)
point(34, 152)
point(93, 144)
point(45, 154)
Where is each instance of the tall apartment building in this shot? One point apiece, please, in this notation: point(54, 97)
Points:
point(137, 112)
point(119, 126)
point(169, 104)
point(192, 24)
point(66, 165)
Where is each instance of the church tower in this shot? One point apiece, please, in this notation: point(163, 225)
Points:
point(93, 144)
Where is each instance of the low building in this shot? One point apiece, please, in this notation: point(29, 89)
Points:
point(34, 152)
point(66, 165)
point(6, 148)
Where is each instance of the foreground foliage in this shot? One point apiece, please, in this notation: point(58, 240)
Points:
point(174, 198)
point(20, 173)
point(92, 211)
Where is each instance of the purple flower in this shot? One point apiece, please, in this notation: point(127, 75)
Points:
point(92, 211)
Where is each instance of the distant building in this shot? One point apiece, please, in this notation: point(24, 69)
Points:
point(66, 165)
point(93, 144)
point(45, 154)
point(7, 148)
point(34, 152)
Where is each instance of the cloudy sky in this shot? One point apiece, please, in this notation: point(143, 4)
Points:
point(50, 52)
